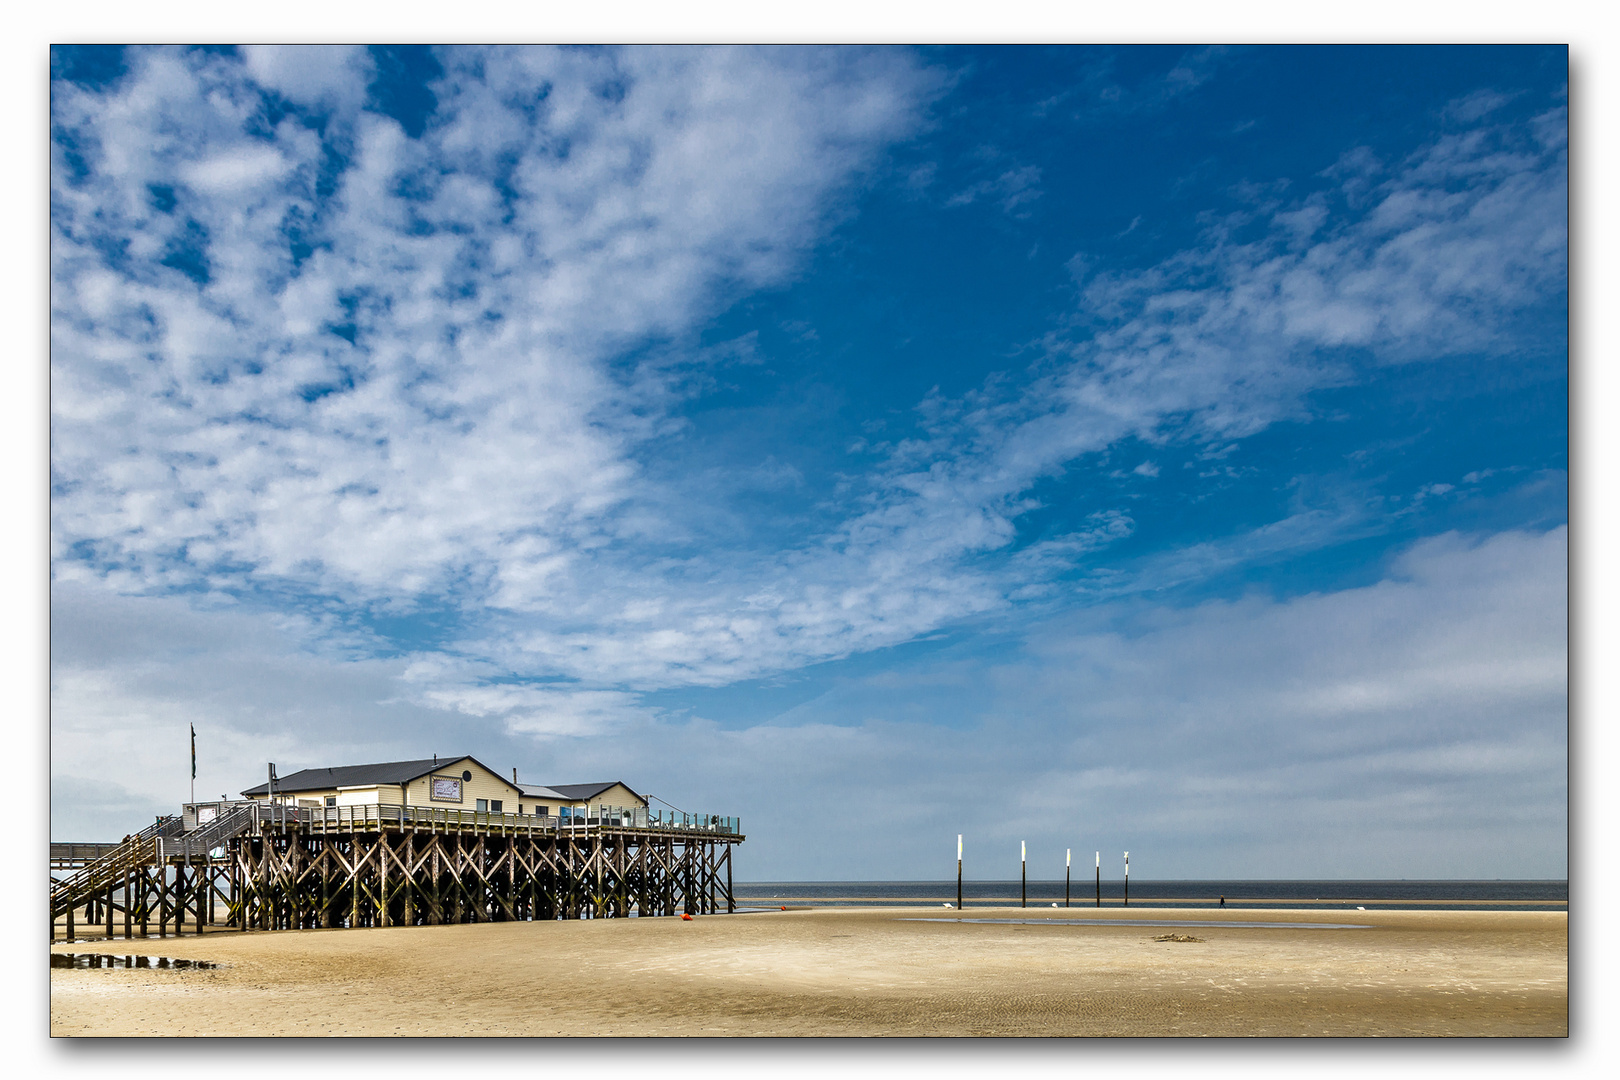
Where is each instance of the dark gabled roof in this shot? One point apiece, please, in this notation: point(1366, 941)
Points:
point(586, 792)
point(386, 772)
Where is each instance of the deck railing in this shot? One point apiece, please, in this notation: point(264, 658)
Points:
point(210, 817)
point(95, 877)
point(207, 838)
point(70, 855)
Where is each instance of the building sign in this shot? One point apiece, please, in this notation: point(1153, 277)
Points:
point(446, 789)
point(206, 814)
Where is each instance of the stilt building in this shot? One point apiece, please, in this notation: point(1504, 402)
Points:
point(409, 843)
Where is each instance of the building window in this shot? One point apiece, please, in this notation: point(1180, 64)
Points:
point(542, 811)
point(495, 806)
point(482, 806)
point(331, 800)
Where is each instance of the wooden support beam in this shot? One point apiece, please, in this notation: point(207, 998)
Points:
point(326, 861)
point(261, 881)
point(295, 907)
point(410, 879)
point(354, 886)
point(382, 877)
point(437, 899)
point(288, 876)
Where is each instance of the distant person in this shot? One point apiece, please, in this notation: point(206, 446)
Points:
point(1223, 901)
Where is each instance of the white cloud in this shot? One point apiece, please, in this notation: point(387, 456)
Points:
point(236, 170)
point(131, 675)
point(1010, 189)
point(1413, 727)
point(522, 709)
point(310, 75)
point(403, 386)
point(1472, 107)
point(1430, 260)
point(413, 388)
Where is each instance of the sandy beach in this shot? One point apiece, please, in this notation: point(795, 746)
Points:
point(852, 972)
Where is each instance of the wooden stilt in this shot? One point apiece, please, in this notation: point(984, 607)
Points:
point(354, 889)
point(357, 871)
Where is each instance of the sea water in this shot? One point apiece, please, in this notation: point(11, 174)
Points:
point(1443, 895)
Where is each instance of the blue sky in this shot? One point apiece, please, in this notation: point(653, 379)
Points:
point(1148, 448)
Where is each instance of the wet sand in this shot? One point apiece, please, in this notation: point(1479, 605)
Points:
point(847, 972)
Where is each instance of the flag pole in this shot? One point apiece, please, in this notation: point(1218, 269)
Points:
point(958, 871)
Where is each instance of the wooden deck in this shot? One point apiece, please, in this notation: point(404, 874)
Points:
point(301, 867)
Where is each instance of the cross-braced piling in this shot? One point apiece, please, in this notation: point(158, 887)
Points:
point(264, 867)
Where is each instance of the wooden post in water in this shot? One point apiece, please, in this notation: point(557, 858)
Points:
point(1099, 879)
point(958, 871)
point(1068, 858)
point(1023, 875)
point(1127, 879)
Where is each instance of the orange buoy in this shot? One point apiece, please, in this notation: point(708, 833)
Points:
point(784, 907)
point(686, 918)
